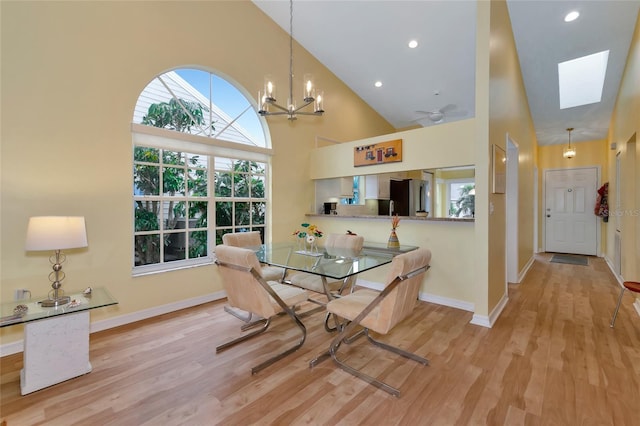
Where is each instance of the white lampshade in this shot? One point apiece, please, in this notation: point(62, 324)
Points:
point(56, 233)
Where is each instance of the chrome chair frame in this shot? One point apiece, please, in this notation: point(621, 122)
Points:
point(346, 337)
point(290, 312)
point(632, 286)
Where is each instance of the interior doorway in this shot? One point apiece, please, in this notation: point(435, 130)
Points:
point(512, 211)
point(570, 224)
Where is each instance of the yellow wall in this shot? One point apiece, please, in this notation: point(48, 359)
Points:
point(71, 74)
point(624, 132)
point(446, 145)
point(451, 244)
point(508, 115)
point(501, 110)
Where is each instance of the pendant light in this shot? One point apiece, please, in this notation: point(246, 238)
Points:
point(569, 152)
point(267, 99)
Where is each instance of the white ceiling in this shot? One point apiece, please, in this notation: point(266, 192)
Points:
point(365, 41)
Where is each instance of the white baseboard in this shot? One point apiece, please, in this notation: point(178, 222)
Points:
point(425, 297)
point(445, 301)
point(488, 321)
point(612, 269)
point(18, 346)
point(370, 284)
point(525, 270)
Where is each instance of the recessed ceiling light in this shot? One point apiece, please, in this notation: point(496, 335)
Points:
point(413, 44)
point(571, 16)
point(581, 80)
point(378, 84)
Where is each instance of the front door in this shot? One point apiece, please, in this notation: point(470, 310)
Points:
point(570, 222)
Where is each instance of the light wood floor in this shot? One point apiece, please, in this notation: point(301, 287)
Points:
point(551, 358)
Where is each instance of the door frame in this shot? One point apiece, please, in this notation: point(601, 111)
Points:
point(544, 204)
point(512, 212)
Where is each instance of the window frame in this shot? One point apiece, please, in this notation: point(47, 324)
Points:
point(210, 147)
point(456, 181)
point(152, 137)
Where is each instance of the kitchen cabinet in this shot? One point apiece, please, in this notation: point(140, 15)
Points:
point(377, 187)
point(346, 187)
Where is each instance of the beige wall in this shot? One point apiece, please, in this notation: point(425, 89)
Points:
point(446, 145)
point(624, 131)
point(450, 278)
point(71, 74)
point(508, 115)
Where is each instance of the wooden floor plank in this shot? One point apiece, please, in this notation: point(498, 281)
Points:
point(551, 358)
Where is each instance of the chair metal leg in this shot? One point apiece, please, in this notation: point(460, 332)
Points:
point(252, 324)
point(293, 317)
point(240, 339)
point(281, 355)
point(396, 350)
point(346, 333)
point(372, 381)
point(615, 313)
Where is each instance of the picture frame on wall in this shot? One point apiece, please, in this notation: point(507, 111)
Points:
point(499, 169)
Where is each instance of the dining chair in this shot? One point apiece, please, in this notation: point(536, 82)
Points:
point(633, 286)
point(345, 245)
point(379, 312)
point(252, 239)
point(269, 273)
point(247, 290)
point(339, 245)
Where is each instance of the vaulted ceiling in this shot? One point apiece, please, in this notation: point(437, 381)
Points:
point(362, 42)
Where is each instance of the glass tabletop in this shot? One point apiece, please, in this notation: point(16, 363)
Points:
point(98, 298)
point(332, 263)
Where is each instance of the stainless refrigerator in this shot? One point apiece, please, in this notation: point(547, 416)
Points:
point(409, 196)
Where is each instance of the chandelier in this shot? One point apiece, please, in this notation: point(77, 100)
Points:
point(267, 97)
point(569, 152)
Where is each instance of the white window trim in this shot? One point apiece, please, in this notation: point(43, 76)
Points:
point(154, 137)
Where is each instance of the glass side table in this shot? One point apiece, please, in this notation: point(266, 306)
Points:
point(56, 339)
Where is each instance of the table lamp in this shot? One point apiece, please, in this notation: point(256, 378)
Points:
point(56, 233)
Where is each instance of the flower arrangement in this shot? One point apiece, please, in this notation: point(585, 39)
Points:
point(310, 232)
point(395, 222)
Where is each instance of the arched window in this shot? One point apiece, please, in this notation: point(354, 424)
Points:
point(200, 169)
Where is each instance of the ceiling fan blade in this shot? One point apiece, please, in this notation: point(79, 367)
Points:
point(458, 113)
point(447, 108)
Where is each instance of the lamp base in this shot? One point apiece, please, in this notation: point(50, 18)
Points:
point(58, 301)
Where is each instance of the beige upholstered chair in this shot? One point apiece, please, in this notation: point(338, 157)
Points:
point(247, 290)
point(269, 273)
point(336, 244)
point(252, 239)
point(380, 311)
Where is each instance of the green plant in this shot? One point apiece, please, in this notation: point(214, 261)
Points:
point(177, 114)
point(466, 204)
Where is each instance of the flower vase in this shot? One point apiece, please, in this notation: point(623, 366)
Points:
point(393, 240)
point(310, 246)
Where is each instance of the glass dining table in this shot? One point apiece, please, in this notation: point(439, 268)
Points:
point(334, 263)
point(330, 264)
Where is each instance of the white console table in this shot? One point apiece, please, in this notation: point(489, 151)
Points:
point(56, 340)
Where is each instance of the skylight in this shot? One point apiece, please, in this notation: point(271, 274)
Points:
point(581, 80)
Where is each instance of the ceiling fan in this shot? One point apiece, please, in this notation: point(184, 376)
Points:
point(439, 114)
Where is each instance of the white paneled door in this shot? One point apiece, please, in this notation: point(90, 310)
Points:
point(570, 222)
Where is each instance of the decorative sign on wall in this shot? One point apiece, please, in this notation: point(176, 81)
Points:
point(378, 153)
